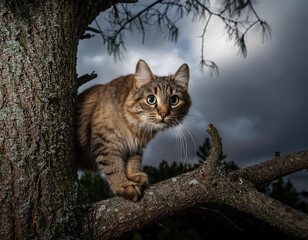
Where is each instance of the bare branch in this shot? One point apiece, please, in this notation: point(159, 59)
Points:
point(86, 78)
point(277, 214)
point(114, 217)
point(93, 30)
point(273, 169)
point(137, 16)
point(205, 62)
point(100, 30)
point(89, 10)
point(86, 36)
point(166, 13)
point(214, 212)
point(212, 161)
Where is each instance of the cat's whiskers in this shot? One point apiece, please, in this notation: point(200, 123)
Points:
point(197, 126)
point(183, 142)
point(181, 131)
point(177, 144)
point(196, 129)
point(189, 131)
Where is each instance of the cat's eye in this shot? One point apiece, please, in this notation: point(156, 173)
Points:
point(174, 100)
point(151, 99)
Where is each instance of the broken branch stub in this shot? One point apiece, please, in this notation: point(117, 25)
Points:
point(212, 161)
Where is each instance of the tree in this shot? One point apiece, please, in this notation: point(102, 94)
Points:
point(40, 193)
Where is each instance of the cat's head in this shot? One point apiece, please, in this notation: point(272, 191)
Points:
point(158, 102)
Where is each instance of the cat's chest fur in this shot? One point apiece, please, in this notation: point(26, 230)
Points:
point(135, 141)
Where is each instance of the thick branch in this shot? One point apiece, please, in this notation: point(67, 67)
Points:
point(247, 199)
point(273, 169)
point(114, 217)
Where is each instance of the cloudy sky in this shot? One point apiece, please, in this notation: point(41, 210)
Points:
point(259, 104)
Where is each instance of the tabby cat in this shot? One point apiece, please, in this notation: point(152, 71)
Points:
point(115, 122)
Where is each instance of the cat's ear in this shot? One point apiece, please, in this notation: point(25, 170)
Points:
point(182, 76)
point(143, 74)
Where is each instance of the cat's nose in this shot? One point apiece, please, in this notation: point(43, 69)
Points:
point(163, 114)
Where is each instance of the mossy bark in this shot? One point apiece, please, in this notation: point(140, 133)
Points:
point(39, 192)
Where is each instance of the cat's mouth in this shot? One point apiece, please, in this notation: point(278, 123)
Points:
point(162, 123)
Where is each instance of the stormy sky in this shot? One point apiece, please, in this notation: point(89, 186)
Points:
point(259, 104)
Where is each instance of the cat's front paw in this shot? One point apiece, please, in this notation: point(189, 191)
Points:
point(129, 190)
point(140, 178)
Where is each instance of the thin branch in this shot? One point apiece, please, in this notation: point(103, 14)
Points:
point(100, 30)
point(216, 14)
point(212, 161)
point(90, 10)
point(86, 36)
point(159, 12)
point(205, 62)
point(93, 30)
point(86, 78)
point(254, 11)
point(142, 29)
point(215, 212)
point(250, 27)
point(122, 27)
point(116, 11)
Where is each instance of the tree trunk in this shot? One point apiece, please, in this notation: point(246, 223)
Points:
point(39, 191)
point(40, 196)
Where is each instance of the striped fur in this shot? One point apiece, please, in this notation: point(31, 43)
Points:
point(114, 122)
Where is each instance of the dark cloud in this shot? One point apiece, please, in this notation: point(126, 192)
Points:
point(259, 104)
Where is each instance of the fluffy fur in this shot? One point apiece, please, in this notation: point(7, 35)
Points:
point(116, 121)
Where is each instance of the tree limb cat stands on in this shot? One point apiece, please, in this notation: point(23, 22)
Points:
point(207, 184)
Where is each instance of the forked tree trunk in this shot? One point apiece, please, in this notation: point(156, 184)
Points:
point(39, 192)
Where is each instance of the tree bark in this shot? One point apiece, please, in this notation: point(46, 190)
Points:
point(273, 169)
point(39, 191)
point(112, 218)
point(40, 195)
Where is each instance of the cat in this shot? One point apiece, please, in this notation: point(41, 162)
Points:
point(115, 121)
